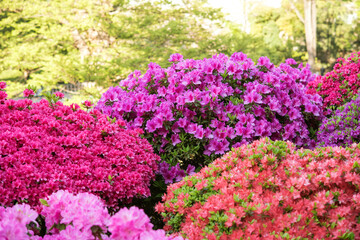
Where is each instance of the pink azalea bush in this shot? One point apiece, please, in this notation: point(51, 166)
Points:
point(341, 84)
point(47, 146)
point(13, 222)
point(82, 216)
point(196, 110)
point(269, 190)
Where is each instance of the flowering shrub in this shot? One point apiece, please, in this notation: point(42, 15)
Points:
point(198, 107)
point(82, 216)
point(46, 146)
point(342, 129)
point(268, 190)
point(341, 84)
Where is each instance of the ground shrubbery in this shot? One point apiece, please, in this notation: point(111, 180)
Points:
point(268, 190)
point(340, 85)
point(191, 113)
point(196, 110)
point(47, 146)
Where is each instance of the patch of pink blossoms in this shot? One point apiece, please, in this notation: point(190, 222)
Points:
point(341, 84)
point(49, 147)
point(82, 216)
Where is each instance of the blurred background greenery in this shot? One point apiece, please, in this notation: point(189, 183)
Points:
point(81, 47)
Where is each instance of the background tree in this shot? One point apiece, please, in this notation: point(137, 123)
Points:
point(310, 30)
point(45, 43)
point(336, 30)
point(98, 41)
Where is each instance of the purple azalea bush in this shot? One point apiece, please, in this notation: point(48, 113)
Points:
point(195, 110)
point(342, 128)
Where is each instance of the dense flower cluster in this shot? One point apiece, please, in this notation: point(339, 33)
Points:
point(340, 85)
point(268, 190)
point(198, 107)
point(87, 104)
point(13, 221)
point(28, 93)
point(343, 128)
point(48, 147)
point(82, 216)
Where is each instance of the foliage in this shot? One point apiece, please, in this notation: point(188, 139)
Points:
point(72, 41)
point(81, 216)
point(341, 84)
point(103, 41)
point(47, 146)
point(268, 190)
point(197, 109)
point(253, 44)
point(342, 128)
point(337, 30)
point(268, 26)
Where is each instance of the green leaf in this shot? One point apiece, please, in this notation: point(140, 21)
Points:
point(356, 165)
point(44, 202)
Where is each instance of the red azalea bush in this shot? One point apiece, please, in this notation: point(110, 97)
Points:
point(196, 110)
point(268, 190)
point(340, 85)
point(45, 147)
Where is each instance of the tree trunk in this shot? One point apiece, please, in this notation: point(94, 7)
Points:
point(80, 44)
point(310, 30)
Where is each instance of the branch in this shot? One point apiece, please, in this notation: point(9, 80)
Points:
point(296, 11)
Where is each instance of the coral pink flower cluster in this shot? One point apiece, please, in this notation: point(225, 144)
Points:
point(216, 104)
point(268, 190)
point(82, 216)
point(45, 148)
point(340, 85)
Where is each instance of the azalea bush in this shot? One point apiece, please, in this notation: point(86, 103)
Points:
point(196, 110)
point(341, 129)
point(269, 190)
point(47, 146)
point(340, 85)
point(82, 216)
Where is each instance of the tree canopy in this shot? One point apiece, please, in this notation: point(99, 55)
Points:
point(45, 43)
